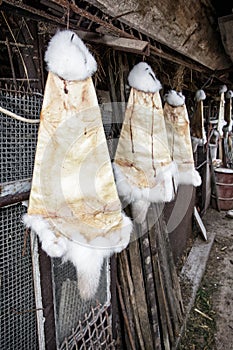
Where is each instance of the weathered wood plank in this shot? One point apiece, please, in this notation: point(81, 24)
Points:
point(123, 293)
point(166, 326)
point(150, 287)
point(134, 305)
point(15, 187)
point(139, 290)
point(123, 44)
point(14, 192)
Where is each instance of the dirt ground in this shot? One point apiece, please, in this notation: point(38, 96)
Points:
point(210, 324)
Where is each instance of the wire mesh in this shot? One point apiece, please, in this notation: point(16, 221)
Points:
point(93, 333)
point(17, 303)
point(18, 139)
point(69, 306)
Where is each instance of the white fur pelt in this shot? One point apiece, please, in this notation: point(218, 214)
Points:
point(221, 117)
point(174, 98)
point(144, 125)
point(66, 222)
point(176, 118)
point(200, 95)
point(87, 257)
point(197, 141)
point(68, 57)
point(142, 78)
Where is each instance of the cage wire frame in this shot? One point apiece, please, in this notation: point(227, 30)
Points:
point(18, 138)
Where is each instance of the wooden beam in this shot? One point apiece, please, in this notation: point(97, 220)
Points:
point(123, 44)
point(14, 192)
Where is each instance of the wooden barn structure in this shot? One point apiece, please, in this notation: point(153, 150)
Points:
point(139, 303)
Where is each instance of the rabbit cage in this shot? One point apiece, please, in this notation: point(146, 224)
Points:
point(40, 303)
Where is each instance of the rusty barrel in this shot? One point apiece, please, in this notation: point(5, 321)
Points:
point(224, 183)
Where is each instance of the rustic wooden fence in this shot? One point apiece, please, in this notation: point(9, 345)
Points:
point(149, 294)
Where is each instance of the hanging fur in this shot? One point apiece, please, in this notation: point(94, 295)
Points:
point(143, 168)
point(179, 140)
point(74, 207)
point(198, 134)
point(221, 120)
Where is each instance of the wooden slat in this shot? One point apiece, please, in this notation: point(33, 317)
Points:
point(134, 306)
point(123, 44)
point(14, 192)
point(139, 290)
point(123, 292)
point(150, 290)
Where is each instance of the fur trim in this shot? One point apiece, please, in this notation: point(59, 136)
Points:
point(68, 57)
point(139, 210)
point(142, 78)
point(229, 94)
point(200, 95)
point(188, 175)
point(174, 98)
point(223, 89)
point(162, 192)
point(54, 246)
point(87, 257)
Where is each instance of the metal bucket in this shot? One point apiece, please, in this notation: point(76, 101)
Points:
point(224, 183)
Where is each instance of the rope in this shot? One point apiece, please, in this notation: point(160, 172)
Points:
point(17, 117)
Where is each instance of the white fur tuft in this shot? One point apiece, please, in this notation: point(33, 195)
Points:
point(88, 263)
point(189, 176)
point(68, 57)
point(229, 94)
point(200, 95)
point(142, 78)
point(223, 89)
point(54, 246)
point(139, 210)
point(174, 98)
